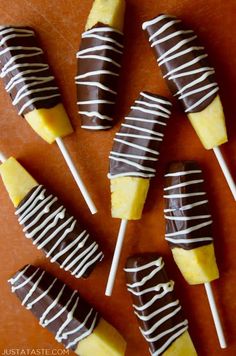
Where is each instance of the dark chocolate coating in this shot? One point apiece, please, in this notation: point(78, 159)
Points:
point(83, 316)
point(113, 42)
point(56, 222)
point(191, 50)
point(144, 127)
point(31, 69)
point(197, 212)
point(153, 280)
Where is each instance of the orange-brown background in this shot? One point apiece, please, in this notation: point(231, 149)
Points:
point(60, 24)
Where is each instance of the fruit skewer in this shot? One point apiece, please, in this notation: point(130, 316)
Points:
point(34, 92)
point(184, 65)
point(133, 162)
point(188, 230)
point(156, 307)
point(75, 324)
point(47, 223)
point(99, 64)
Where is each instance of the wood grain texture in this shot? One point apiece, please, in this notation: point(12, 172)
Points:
point(60, 24)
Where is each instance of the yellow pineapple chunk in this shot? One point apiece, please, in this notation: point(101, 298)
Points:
point(182, 346)
point(210, 124)
point(128, 195)
point(104, 340)
point(50, 123)
point(197, 265)
point(108, 12)
point(17, 180)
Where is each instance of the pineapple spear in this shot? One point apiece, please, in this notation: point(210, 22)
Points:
point(133, 163)
point(185, 66)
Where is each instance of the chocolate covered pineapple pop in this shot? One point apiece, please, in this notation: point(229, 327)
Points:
point(30, 83)
point(48, 223)
point(99, 63)
point(158, 311)
point(135, 152)
point(133, 161)
point(34, 92)
point(64, 313)
point(189, 222)
point(188, 228)
point(185, 66)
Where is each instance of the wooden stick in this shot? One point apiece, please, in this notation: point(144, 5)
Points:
point(215, 315)
point(76, 176)
point(225, 170)
point(116, 258)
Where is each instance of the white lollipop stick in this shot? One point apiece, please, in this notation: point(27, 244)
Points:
point(2, 157)
point(116, 258)
point(215, 315)
point(225, 170)
point(76, 175)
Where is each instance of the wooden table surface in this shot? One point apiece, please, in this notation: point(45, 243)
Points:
point(60, 24)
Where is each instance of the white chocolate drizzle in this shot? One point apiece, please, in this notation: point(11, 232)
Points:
point(104, 45)
point(44, 294)
point(154, 329)
point(166, 28)
point(64, 316)
point(22, 284)
point(172, 338)
point(45, 322)
point(32, 85)
point(73, 331)
point(136, 136)
point(85, 334)
point(49, 229)
point(193, 223)
point(181, 185)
